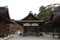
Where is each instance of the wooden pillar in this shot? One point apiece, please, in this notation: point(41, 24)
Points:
point(37, 31)
point(24, 31)
point(58, 32)
point(59, 35)
point(53, 33)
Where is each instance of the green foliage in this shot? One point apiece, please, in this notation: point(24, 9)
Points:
point(35, 14)
point(43, 13)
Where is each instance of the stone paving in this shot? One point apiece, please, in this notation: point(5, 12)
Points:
point(46, 37)
point(5, 38)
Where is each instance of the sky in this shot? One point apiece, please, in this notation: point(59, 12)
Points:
point(19, 9)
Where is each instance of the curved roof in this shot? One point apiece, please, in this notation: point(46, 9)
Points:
point(30, 16)
point(56, 11)
point(4, 15)
point(4, 12)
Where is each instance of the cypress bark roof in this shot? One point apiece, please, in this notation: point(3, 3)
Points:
point(4, 15)
point(30, 18)
point(55, 22)
point(56, 11)
point(30, 21)
point(4, 12)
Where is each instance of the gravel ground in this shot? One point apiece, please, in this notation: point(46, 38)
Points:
point(46, 37)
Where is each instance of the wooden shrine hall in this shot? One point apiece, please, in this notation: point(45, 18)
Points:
point(4, 21)
point(31, 25)
point(55, 21)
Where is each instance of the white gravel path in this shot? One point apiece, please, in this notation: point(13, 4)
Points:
point(46, 37)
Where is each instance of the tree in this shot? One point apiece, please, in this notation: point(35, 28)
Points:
point(35, 15)
point(43, 13)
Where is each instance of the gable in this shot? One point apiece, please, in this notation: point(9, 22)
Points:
point(56, 11)
point(56, 18)
point(4, 15)
point(4, 12)
point(30, 17)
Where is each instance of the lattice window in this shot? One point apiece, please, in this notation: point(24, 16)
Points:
point(34, 24)
point(26, 24)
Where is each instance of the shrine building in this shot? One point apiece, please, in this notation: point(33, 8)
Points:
point(4, 21)
point(31, 25)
